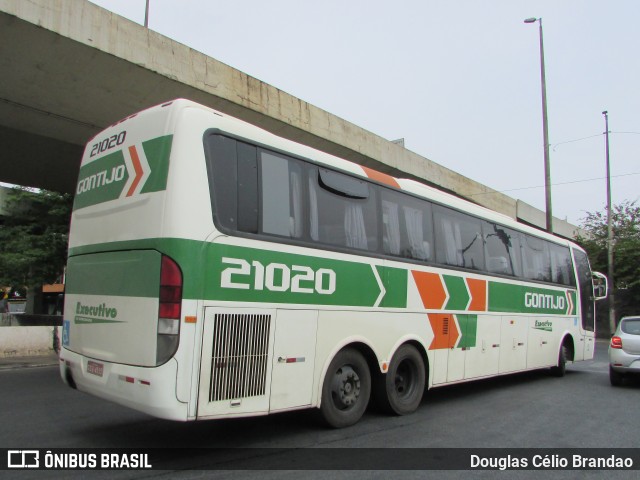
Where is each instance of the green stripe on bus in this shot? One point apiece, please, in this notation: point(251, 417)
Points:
point(269, 276)
point(468, 328)
point(506, 297)
point(157, 152)
point(395, 282)
point(251, 275)
point(458, 294)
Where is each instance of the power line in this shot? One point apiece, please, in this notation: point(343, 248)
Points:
point(554, 145)
point(555, 184)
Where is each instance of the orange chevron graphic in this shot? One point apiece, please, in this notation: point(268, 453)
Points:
point(478, 291)
point(432, 291)
point(137, 167)
point(445, 331)
point(381, 177)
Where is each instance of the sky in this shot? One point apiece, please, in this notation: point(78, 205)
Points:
point(459, 80)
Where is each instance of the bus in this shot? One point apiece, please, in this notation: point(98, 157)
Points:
point(217, 270)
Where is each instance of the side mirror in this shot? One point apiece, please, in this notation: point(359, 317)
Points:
point(600, 286)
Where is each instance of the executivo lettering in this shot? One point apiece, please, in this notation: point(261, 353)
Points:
point(545, 325)
point(95, 313)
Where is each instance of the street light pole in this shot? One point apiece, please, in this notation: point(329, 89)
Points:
point(612, 306)
point(545, 131)
point(146, 15)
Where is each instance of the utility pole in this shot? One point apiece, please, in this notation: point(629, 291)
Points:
point(146, 15)
point(545, 129)
point(612, 306)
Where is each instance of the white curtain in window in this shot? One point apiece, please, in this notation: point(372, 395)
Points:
point(453, 241)
point(391, 222)
point(418, 247)
point(354, 227)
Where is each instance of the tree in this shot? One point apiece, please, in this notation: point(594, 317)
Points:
point(626, 252)
point(33, 240)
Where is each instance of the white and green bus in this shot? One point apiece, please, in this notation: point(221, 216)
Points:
point(217, 270)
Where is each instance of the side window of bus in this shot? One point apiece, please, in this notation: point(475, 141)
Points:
point(535, 259)
point(459, 239)
point(503, 250)
point(233, 180)
point(407, 226)
point(281, 196)
point(561, 267)
point(342, 210)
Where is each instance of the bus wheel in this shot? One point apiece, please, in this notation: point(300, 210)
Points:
point(404, 382)
point(561, 368)
point(346, 389)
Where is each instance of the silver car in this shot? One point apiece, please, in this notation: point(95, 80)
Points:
point(624, 350)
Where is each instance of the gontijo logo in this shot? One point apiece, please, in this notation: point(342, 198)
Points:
point(545, 301)
point(124, 172)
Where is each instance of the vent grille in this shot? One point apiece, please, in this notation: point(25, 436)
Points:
point(239, 356)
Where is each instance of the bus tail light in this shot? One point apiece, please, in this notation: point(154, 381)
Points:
point(616, 342)
point(169, 310)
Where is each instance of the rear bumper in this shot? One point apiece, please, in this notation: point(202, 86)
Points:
point(623, 362)
point(148, 390)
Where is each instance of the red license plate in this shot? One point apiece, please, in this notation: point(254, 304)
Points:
point(95, 368)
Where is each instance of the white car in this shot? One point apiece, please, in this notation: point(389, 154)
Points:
point(624, 350)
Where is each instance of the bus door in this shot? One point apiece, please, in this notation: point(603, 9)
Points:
point(587, 308)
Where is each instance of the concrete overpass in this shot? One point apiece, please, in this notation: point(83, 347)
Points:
point(70, 68)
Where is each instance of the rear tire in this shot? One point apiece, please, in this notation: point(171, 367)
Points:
point(616, 378)
point(404, 382)
point(346, 389)
point(561, 368)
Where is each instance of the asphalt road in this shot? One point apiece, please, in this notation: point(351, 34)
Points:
point(530, 410)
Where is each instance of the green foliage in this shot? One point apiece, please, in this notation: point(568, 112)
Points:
point(626, 253)
point(33, 237)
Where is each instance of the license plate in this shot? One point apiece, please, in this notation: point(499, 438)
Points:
point(95, 368)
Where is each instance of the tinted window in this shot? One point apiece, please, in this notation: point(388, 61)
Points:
point(458, 239)
point(561, 266)
point(503, 249)
point(232, 170)
point(281, 195)
point(535, 259)
point(631, 326)
point(336, 218)
point(407, 228)
point(585, 287)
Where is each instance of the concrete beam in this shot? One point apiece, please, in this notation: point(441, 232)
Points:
point(71, 68)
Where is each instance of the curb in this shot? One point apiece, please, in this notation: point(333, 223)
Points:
point(15, 363)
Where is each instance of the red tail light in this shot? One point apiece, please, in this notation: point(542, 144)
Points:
point(169, 310)
point(170, 289)
point(616, 342)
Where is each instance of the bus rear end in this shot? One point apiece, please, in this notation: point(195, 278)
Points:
point(124, 305)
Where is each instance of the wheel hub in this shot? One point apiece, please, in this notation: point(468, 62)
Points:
point(345, 387)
